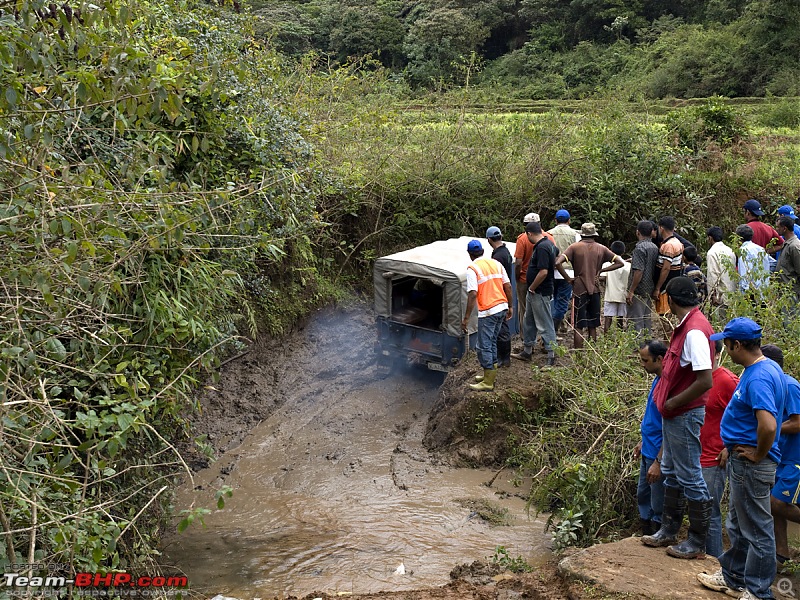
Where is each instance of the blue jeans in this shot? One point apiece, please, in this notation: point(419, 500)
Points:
point(538, 321)
point(715, 481)
point(750, 561)
point(649, 496)
point(488, 332)
point(680, 459)
point(562, 294)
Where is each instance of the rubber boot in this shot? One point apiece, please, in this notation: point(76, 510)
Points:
point(695, 544)
point(504, 353)
point(479, 378)
point(647, 527)
point(671, 519)
point(557, 326)
point(487, 385)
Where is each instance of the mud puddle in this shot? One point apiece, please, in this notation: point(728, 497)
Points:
point(333, 491)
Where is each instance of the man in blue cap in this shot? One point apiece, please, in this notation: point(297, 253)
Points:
point(502, 255)
point(787, 211)
point(563, 237)
point(489, 287)
point(764, 235)
point(748, 430)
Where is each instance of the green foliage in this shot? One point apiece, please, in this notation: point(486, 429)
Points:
point(781, 113)
point(148, 177)
point(582, 451)
point(713, 121)
point(503, 559)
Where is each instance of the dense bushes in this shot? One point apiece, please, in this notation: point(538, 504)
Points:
point(148, 178)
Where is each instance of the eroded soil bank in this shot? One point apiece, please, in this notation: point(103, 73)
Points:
point(332, 488)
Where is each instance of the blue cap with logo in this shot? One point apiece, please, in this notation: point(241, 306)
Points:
point(474, 247)
point(740, 328)
point(754, 206)
point(787, 211)
point(562, 215)
point(493, 232)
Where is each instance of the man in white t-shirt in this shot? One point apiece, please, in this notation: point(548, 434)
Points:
point(720, 264)
point(753, 264)
point(615, 300)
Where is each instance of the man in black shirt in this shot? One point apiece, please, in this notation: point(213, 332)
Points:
point(538, 318)
point(501, 254)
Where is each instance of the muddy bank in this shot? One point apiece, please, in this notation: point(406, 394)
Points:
point(477, 429)
point(333, 490)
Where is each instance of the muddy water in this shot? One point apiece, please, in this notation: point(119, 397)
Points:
point(333, 492)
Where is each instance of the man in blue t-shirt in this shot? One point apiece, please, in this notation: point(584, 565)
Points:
point(650, 490)
point(748, 430)
point(786, 492)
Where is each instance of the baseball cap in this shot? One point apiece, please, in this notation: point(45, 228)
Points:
point(493, 232)
point(474, 247)
point(754, 206)
point(787, 210)
point(531, 218)
point(683, 290)
point(588, 230)
point(740, 328)
point(562, 214)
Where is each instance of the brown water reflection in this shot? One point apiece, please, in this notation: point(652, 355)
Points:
point(334, 491)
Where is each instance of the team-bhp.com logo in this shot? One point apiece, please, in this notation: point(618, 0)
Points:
point(121, 582)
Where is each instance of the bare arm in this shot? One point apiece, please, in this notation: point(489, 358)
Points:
point(510, 297)
point(662, 277)
point(637, 278)
point(540, 277)
point(765, 434)
point(791, 425)
point(560, 260)
point(617, 263)
point(472, 298)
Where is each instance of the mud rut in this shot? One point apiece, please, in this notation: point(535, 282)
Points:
point(333, 490)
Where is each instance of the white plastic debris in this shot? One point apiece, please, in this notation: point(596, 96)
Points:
point(401, 570)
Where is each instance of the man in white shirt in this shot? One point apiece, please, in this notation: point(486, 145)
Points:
point(753, 262)
point(721, 263)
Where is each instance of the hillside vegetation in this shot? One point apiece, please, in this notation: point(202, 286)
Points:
point(171, 184)
point(554, 49)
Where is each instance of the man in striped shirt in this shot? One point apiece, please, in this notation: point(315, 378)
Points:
point(670, 258)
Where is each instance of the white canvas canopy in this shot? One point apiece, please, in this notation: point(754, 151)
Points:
point(445, 264)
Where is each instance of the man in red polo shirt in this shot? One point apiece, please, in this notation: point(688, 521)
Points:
point(764, 235)
point(681, 396)
point(714, 455)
